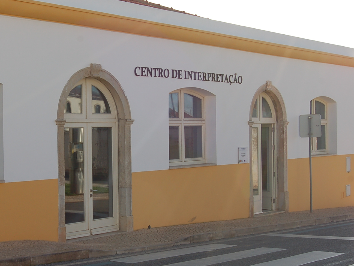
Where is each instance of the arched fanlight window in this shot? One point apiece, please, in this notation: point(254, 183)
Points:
point(89, 99)
point(263, 109)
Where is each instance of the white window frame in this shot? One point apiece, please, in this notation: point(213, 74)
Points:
point(181, 122)
point(324, 122)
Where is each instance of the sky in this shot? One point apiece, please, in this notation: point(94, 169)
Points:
point(324, 21)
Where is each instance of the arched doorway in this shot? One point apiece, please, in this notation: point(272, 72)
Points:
point(268, 151)
point(94, 155)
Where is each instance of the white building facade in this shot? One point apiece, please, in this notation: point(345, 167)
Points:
point(117, 116)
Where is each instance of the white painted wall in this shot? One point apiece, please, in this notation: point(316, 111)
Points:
point(38, 58)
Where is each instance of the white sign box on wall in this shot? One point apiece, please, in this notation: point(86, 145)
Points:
point(243, 155)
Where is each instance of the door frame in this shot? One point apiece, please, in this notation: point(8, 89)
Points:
point(280, 162)
point(124, 122)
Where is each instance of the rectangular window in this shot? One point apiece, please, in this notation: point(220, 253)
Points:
point(319, 144)
point(186, 128)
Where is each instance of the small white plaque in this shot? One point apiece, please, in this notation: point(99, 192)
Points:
point(242, 155)
point(348, 164)
point(347, 190)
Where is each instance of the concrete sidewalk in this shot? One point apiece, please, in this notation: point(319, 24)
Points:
point(42, 252)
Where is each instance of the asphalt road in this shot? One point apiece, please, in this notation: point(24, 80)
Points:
point(331, 244)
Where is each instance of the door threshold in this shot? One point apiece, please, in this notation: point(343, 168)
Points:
point(88, 237)
point(265, 213)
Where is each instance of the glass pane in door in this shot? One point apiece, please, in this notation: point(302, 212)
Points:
point(102, 182)
point(265, 150)
point(74, 175)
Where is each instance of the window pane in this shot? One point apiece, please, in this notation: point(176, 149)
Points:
point(73, 102)
point(255, 159)
point(99, 102)
point(174, 143)
point(266, 111)
point(320, 108)
point(74, 175)
point(321, 141)
point(192, 106)
point(255, 109)
point(173, 109)
point(102, 182)
point(193, 141)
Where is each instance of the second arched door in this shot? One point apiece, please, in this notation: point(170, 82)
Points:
point(263, 154)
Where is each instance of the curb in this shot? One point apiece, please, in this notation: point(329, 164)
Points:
point(45, 259)
point(203, 237)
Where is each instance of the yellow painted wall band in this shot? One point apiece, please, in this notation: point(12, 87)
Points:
point(29, 210)
point(329, 178)
point(190, 195)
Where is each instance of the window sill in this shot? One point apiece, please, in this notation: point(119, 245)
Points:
point(322, 154)
point(191, 165)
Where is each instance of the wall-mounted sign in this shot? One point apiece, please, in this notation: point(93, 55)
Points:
point(310, 122)
point(156, 72)
point(242, 155)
